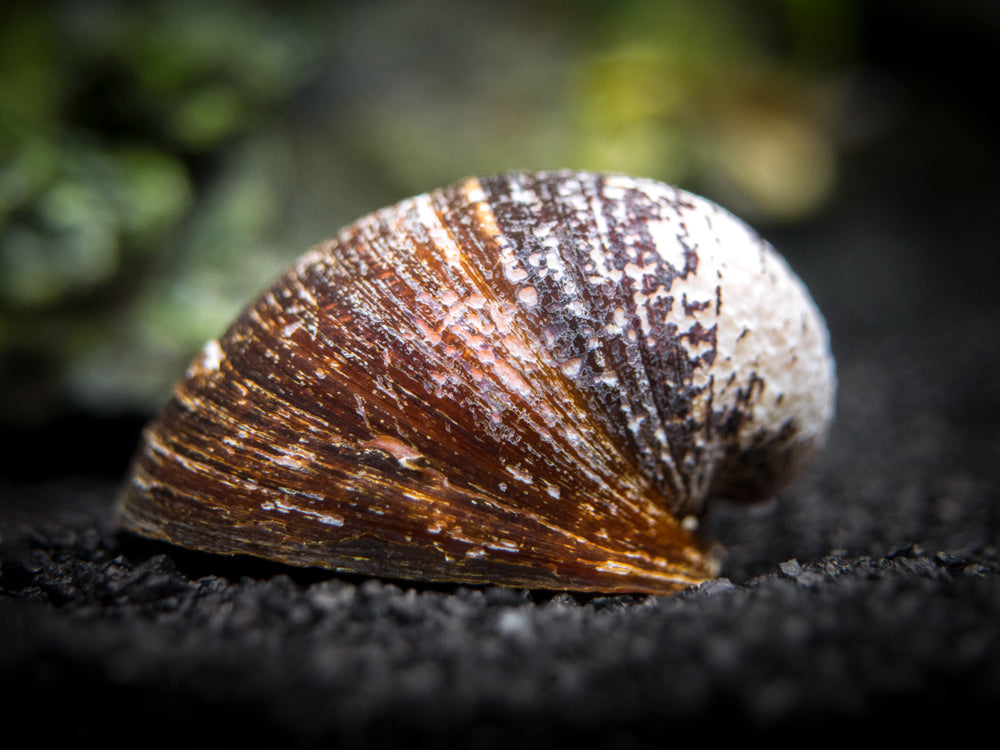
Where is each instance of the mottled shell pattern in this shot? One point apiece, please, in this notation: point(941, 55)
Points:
point(532, 379)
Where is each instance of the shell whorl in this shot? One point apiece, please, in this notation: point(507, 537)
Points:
point(529, 379)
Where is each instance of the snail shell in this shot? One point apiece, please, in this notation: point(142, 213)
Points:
point(533, 379)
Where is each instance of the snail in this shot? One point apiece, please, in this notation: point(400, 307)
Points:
point(531, 379)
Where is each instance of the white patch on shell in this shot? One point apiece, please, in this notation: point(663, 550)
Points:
point(666, 238)
point(528, 296)
point(210, 359)
point(405, 454)
point(330, 519)
point(295, 458)
point(511, 379)
point(519, 475)
point(742, 278)
point(503, 545)
point(616, 568)
point(571, 367)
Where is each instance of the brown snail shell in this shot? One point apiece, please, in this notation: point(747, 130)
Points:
point(533, 379)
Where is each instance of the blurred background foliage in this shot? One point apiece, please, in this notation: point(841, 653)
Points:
point(163, 162)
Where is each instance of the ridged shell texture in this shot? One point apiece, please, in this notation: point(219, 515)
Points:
point(532, 379)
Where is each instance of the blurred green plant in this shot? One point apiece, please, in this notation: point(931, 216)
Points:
point(161, 162)
point(112, 119)
point(724, 96)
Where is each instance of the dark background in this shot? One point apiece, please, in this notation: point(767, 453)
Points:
point(865, 596)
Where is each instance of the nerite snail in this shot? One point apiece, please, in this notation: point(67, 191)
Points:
point(532, 379)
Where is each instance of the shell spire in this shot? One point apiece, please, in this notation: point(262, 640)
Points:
point(531, 379)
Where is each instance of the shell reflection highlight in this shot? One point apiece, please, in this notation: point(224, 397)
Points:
point(531, 379)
